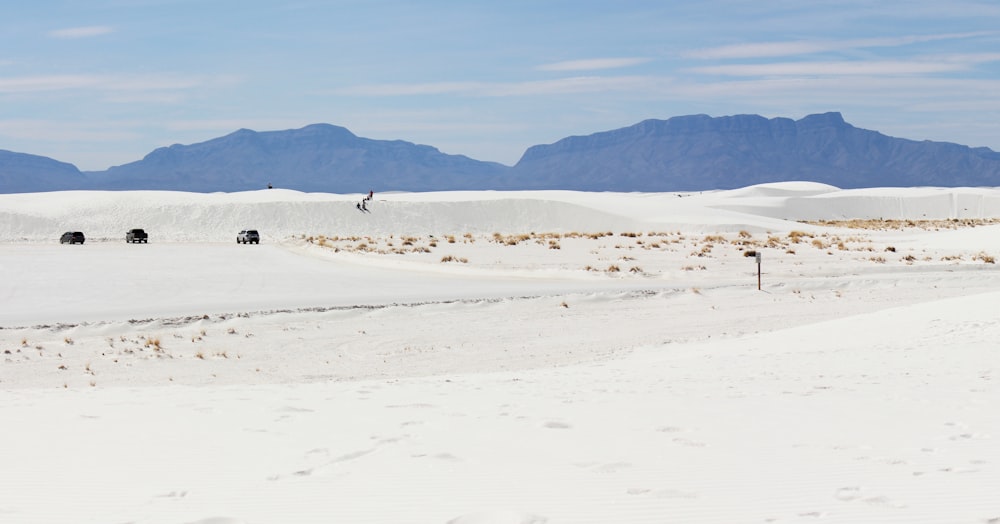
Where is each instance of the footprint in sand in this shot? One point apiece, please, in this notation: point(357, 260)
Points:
point(321, 458)
point(689, 443)
point(848, 494)
point(217, 520)
point(499, 517)
point(613, 467)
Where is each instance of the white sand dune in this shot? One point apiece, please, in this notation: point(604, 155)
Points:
point(501, 357)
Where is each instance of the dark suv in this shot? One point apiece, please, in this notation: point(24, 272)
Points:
point(248, 236)
point(71, 237)
point(136, 236)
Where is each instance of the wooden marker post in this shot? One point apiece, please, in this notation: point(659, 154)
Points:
point(757, 256)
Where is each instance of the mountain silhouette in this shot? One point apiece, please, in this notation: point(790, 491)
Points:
point(684, 153)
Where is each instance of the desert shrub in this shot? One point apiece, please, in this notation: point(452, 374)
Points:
point(750, 253)
point(988, 259)
point(153, 343)
point(818, 243)
point(745, 234)
point(613, 269)
point(796, 236)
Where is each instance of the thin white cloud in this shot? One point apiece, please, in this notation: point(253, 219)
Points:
point(47, 83)
point(804, 47)
point(837, 92)
point(230, 125)
point(579, 84)
point(63, 131)
point(593, 64)
point(81, 32)
point(874, 67)
point(110, 83)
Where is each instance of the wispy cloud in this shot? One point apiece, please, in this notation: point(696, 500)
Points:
point(593, 64)
point(927, 65)
point(66, 131)
point(116, 83)
point(578, 84)
point(805, 47)
point(230, 125)
point(875, 67)
point(81, 32)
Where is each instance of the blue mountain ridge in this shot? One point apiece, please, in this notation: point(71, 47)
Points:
point(684, 153)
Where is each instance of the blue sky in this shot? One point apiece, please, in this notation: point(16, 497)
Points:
point(103, 82)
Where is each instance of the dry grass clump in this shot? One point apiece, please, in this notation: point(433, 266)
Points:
point(988, 259)
point(153, 343)
point(798, 236)
point(881, 224)
point(511, 240)
point(450, 258)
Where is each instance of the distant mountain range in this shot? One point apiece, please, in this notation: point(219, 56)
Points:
point(686, 153)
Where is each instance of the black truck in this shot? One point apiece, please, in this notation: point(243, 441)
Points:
point(133, 236)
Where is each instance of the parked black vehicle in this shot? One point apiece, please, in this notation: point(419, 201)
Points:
point(71, 237)
point(248, 236)
point(136, 235)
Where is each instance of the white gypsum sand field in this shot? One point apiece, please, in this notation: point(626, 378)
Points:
point(502, 357)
